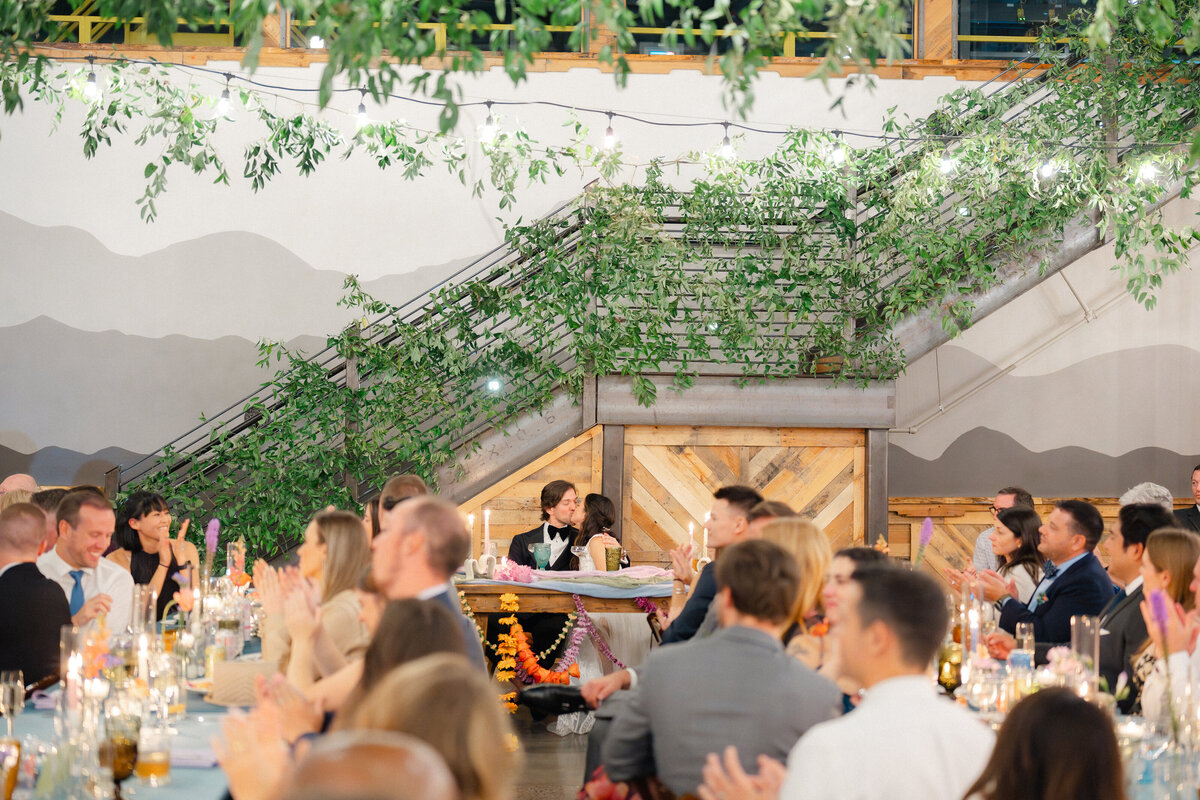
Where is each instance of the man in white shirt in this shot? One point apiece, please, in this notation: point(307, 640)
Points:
point(93, 584)
point(903, 740)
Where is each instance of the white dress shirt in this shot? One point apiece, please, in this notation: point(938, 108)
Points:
point(557, 544)
point(902, 741)
point(107, 578)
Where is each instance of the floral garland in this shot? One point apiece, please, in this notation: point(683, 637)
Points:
point(518, 656)
point(585, 622)
point(466, 609)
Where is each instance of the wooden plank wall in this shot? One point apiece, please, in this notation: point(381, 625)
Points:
point(672, 471)
point(514, 500)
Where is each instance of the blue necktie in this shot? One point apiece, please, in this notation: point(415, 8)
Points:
point(76, 591)
point(1049, 570)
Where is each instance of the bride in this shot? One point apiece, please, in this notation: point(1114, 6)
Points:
point(627, 635)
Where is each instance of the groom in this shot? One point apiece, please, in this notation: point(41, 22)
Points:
point(558, 506)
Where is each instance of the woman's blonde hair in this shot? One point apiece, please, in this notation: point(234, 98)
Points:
point(1175, 551)
point(347, 551)
point(447, 702)
point(809, 545)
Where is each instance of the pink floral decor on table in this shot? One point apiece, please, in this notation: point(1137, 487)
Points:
point(512, 571)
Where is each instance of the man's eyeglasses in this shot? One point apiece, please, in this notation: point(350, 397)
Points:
point(995, 510)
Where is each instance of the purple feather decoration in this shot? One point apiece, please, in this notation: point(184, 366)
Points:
point(1158, 610)
point(211, 534)
point(926, 532)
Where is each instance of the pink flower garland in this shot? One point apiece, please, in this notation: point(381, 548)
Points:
point(586, 622)
point(647, 605)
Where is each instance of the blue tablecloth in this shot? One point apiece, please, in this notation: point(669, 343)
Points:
point(187, 783)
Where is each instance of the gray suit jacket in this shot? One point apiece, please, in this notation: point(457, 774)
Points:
point(737, 687)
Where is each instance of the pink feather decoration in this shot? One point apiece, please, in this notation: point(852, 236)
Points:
point(926, 532)
point(212, 534)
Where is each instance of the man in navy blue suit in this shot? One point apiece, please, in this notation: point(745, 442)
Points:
point(1073, 579)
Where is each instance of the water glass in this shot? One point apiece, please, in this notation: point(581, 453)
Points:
point(1024, 635)
point(12, 696)
point(145, 611)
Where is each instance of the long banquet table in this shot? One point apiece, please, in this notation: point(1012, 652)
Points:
point(192, 743)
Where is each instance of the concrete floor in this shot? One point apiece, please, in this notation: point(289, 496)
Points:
point(553, 764)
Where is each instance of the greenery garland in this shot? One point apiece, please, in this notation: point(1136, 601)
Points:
point(760, 266)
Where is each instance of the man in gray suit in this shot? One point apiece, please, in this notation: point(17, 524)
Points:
point(738, 686)
point(1189, 518)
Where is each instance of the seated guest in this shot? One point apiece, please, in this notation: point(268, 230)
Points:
point(1189, 518)
point(1053, 744)
point(764, 512)
point(146, 549)
point(92, 584)
point(423, 542)
point(47, 500)
point(32, 607)
point(1015, 541)
point(1148, 493)
point(398, 489)
point(446, 702)
point(18, 481)
point(381, 765)
point(728, 522)
point(984, 557)
point(1171, 555)
point(738, 686)
point(1123, 631)
point(14, 496)
point(890, 623)
point(333, 557)
point(1073, 579)
point(804, 541)
point(371, 518)
point(841, 569)
point(558, 503)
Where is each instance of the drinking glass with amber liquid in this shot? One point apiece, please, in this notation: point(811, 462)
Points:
point(154, 755)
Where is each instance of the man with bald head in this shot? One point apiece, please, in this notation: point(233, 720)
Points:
point(92, 584)
point(421, 544)
point(32, 607)
point(17, 481)
point(371, 765)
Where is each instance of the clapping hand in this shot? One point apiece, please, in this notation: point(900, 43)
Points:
point(302, 610)
point(995, 587)
point(1182, 629)
point(252, 754)
point(295, 713)
point(169, 548)
point(728, 781)
point(681, 564)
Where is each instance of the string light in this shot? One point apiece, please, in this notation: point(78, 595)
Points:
point(948, 165)
point(726, 151)
point(1148, 172)
point(91, 89)
point(1049, 169)
point(838, 154)
point(494, 385)
point(362, 120)
point(963, 211)
point(610, 136)
point(223, 104)
point(316, 43)
point(487, 134)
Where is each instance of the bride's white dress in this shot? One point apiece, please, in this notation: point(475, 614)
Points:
point(627, 636)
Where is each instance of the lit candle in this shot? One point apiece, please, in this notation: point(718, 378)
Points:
point(704, 542)
point(143, 658)
point(471, 525)
point(692, 535)
point(487, 530)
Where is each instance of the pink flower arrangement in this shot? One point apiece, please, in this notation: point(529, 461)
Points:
point(512, 571)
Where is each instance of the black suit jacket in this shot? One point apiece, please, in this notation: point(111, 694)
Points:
point(33, 610)
point(1083, 589)
point(518, 549)
point(1188, 518)
point(1122, 634)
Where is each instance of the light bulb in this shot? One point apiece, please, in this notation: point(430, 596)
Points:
point(493, 385)
point(1048, 170)
point(223, 104)
point(610, 138)
point(361, 119)
point(1148, 172)
point(726, 151)
point(838, 156)
point(91, 89)
point(948, 165)
point(963, 211)
point(316, 43)
point(487, 134)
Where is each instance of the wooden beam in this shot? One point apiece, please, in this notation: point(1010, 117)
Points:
point(905, 69)
point(613, 476)
point(876, 489)
point(937, 24)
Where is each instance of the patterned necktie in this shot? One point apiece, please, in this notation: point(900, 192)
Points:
point(1049, 570)
point(76, 591)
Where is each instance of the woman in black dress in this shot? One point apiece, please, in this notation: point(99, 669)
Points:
point(146, 549)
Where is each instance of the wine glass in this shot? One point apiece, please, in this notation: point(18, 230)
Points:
point(12, 696)
point(541, 555)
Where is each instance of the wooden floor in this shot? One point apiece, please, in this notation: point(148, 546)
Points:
point(553, 764)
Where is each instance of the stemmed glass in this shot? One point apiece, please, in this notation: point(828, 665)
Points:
point(12, 696)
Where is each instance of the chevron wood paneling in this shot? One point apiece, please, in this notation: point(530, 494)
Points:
point(514, 500)
point(671, 473)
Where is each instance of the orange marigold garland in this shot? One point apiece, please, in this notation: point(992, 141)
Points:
point(515, 650)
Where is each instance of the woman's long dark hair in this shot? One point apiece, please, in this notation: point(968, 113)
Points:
point(600, 515)
point(136, 506)
point(1053, 746)
point(1024, 523)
